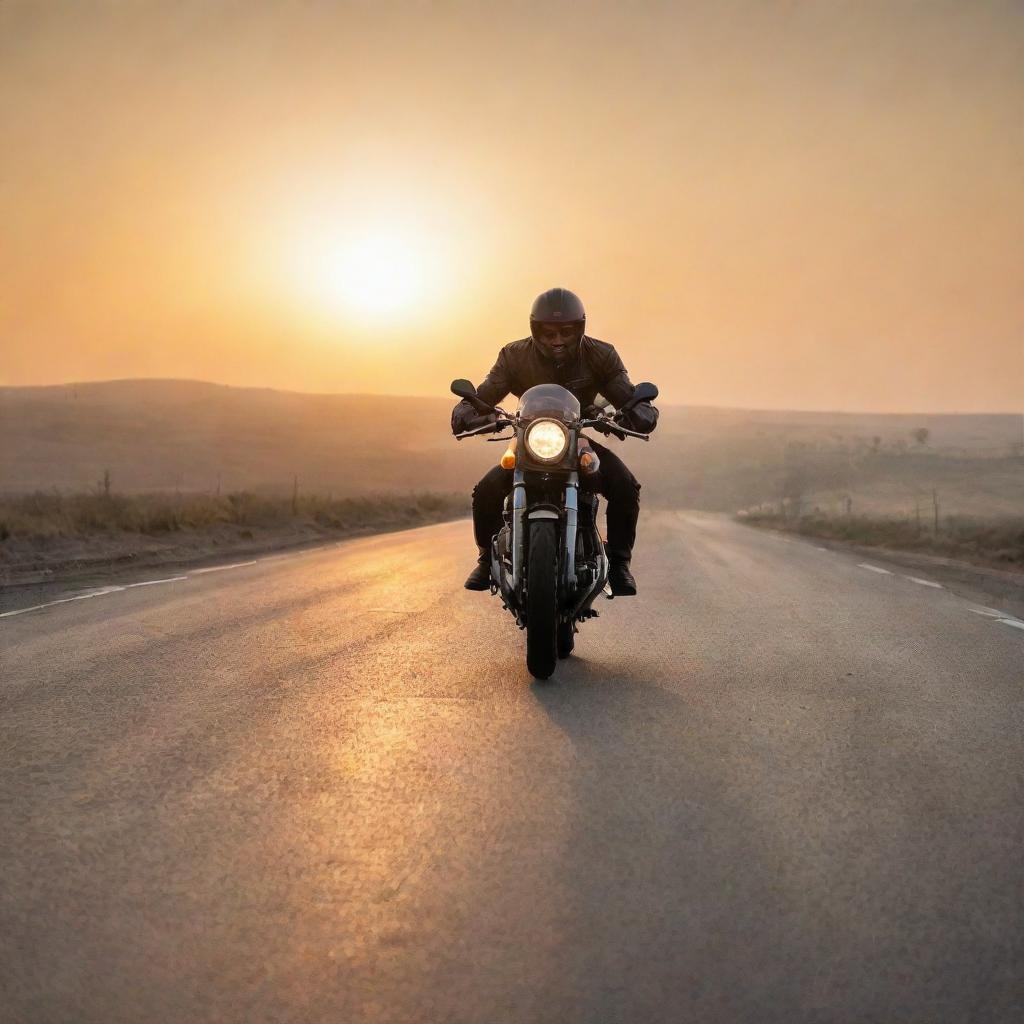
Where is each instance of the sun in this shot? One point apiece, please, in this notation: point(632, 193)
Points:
point(375, 274)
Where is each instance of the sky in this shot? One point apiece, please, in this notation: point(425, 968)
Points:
point(808, 205)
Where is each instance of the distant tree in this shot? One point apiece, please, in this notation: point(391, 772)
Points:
point(921, 435)
point(876, 445)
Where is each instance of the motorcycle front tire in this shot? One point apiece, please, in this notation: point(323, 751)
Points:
point(542, 599)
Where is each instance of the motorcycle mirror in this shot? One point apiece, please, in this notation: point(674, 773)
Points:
point(643, 392)
point(464, 389)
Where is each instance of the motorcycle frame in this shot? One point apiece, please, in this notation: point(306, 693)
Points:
point(510, 585)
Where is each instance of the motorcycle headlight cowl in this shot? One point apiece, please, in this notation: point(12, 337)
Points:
point(546, 440)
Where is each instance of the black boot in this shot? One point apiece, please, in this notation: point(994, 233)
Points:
point(620, 579)
point(480, 577)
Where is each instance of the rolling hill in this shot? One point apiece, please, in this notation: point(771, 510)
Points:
point(180, 435)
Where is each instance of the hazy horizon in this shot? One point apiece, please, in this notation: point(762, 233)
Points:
point(786, 206)
point(446, 396)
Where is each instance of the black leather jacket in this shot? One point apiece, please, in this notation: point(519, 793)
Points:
point(594, 369)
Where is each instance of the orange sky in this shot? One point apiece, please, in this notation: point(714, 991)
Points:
point(772, 204)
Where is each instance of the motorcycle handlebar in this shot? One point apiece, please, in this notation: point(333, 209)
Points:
point(486, 428)
point(492, 427)
point(613, 428)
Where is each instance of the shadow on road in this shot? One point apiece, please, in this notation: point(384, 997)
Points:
point(674, 903)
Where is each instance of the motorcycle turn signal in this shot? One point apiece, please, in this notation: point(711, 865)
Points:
point(589, 462)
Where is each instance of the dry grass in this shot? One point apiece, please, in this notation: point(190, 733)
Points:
point(47, 515)
point(998, 541)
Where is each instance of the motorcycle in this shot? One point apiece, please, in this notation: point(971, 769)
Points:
point(548, 560)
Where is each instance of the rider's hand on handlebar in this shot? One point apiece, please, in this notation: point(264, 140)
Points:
point(479, 421)
point(595, 412)
point(470, 420)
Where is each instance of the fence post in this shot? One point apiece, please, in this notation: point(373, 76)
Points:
point(935, 506)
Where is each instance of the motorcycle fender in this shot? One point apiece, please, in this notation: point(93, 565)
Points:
point(543, 513)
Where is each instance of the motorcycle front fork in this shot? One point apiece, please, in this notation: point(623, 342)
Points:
point(571, 501)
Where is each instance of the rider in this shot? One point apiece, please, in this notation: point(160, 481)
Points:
point(558, 352)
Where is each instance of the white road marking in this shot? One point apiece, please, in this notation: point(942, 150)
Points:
point(220, 568)
point(991, 613)
point(150, 583)
point(816, 548)
point(63, 600)
point(874, 568)
point(924, 583)
point(100, 592)
point(1016, 623)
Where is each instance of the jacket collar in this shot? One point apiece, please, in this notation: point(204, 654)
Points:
point(542, 352)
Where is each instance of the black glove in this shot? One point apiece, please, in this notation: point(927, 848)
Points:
point(642, 418)
point(460, 415)
point(593, 412)
point(465, 417)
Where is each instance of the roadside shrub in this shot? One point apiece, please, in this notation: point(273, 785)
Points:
point(992, 540)
point(46, 514)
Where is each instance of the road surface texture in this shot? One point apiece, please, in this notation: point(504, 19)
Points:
point(781, 785)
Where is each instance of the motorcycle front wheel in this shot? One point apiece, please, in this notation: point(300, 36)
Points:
point(542, 599)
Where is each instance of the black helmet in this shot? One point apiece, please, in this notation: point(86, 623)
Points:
point(558, 306)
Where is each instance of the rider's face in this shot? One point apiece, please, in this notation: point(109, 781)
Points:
point(558, 339)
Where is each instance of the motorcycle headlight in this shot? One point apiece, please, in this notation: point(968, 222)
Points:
point(547, 440)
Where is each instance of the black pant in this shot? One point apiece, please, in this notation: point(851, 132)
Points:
point(613, 480)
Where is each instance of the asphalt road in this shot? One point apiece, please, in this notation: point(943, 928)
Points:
point(777, 786)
